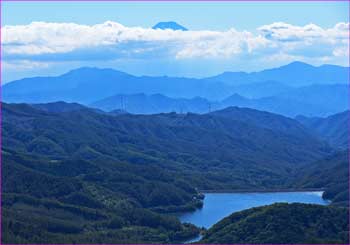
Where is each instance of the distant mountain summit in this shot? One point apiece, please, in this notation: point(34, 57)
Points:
point(293, 74)
point(169, 25)
point(294, 89)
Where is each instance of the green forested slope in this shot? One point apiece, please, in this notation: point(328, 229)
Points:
point(330, 173)
point(68, 201)
point(334, 129)
point(296, 223)
point(255, 155)
point(282, 224)
point(79, 175)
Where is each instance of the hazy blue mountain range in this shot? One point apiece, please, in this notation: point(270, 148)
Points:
point(312, 100)
point(261, 89)
point(275, 93)
point(169, 25)
point(308, 101)
point(293, 74)
point(86, 85)
point(334, 129)
point(152, 104)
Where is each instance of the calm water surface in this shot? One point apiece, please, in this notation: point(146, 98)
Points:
point(219, 205)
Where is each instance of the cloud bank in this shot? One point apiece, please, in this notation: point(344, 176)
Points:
point(52, 42)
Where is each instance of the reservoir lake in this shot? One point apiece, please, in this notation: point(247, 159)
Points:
point(217, 206)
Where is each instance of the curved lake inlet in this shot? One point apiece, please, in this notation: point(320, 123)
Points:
point(219, 205)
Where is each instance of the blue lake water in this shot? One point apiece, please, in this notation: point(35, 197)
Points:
point(219, 205)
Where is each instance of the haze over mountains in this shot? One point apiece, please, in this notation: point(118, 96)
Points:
point(294, 74)
point(294, 89)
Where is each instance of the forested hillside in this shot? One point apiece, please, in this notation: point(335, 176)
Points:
point(296, 223)
point(74, 174)
point(282, 223)
point(334, 129)
point(332, 174)
point(256, 153)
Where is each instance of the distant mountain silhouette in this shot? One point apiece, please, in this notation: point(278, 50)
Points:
point(86, 85)
point(169, 25)
point(271, 90)
point(151, 104)
point(294, 74)
point(308, 101)
point(261, 89)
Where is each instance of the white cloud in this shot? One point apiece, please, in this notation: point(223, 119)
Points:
point(50, 41)
point(341, 51)
point(21, 65)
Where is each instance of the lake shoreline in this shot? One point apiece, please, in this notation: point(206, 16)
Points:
point(218, 205)
point(259, 191)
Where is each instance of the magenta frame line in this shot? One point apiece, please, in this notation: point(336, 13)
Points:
point(158, 1)
point(214, 1)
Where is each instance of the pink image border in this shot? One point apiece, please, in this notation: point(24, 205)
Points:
point(135, 1)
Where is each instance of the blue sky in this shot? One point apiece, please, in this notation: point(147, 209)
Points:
point(223, 50)
point(194, 15)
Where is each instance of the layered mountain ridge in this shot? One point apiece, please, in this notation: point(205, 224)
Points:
point(270, 90)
